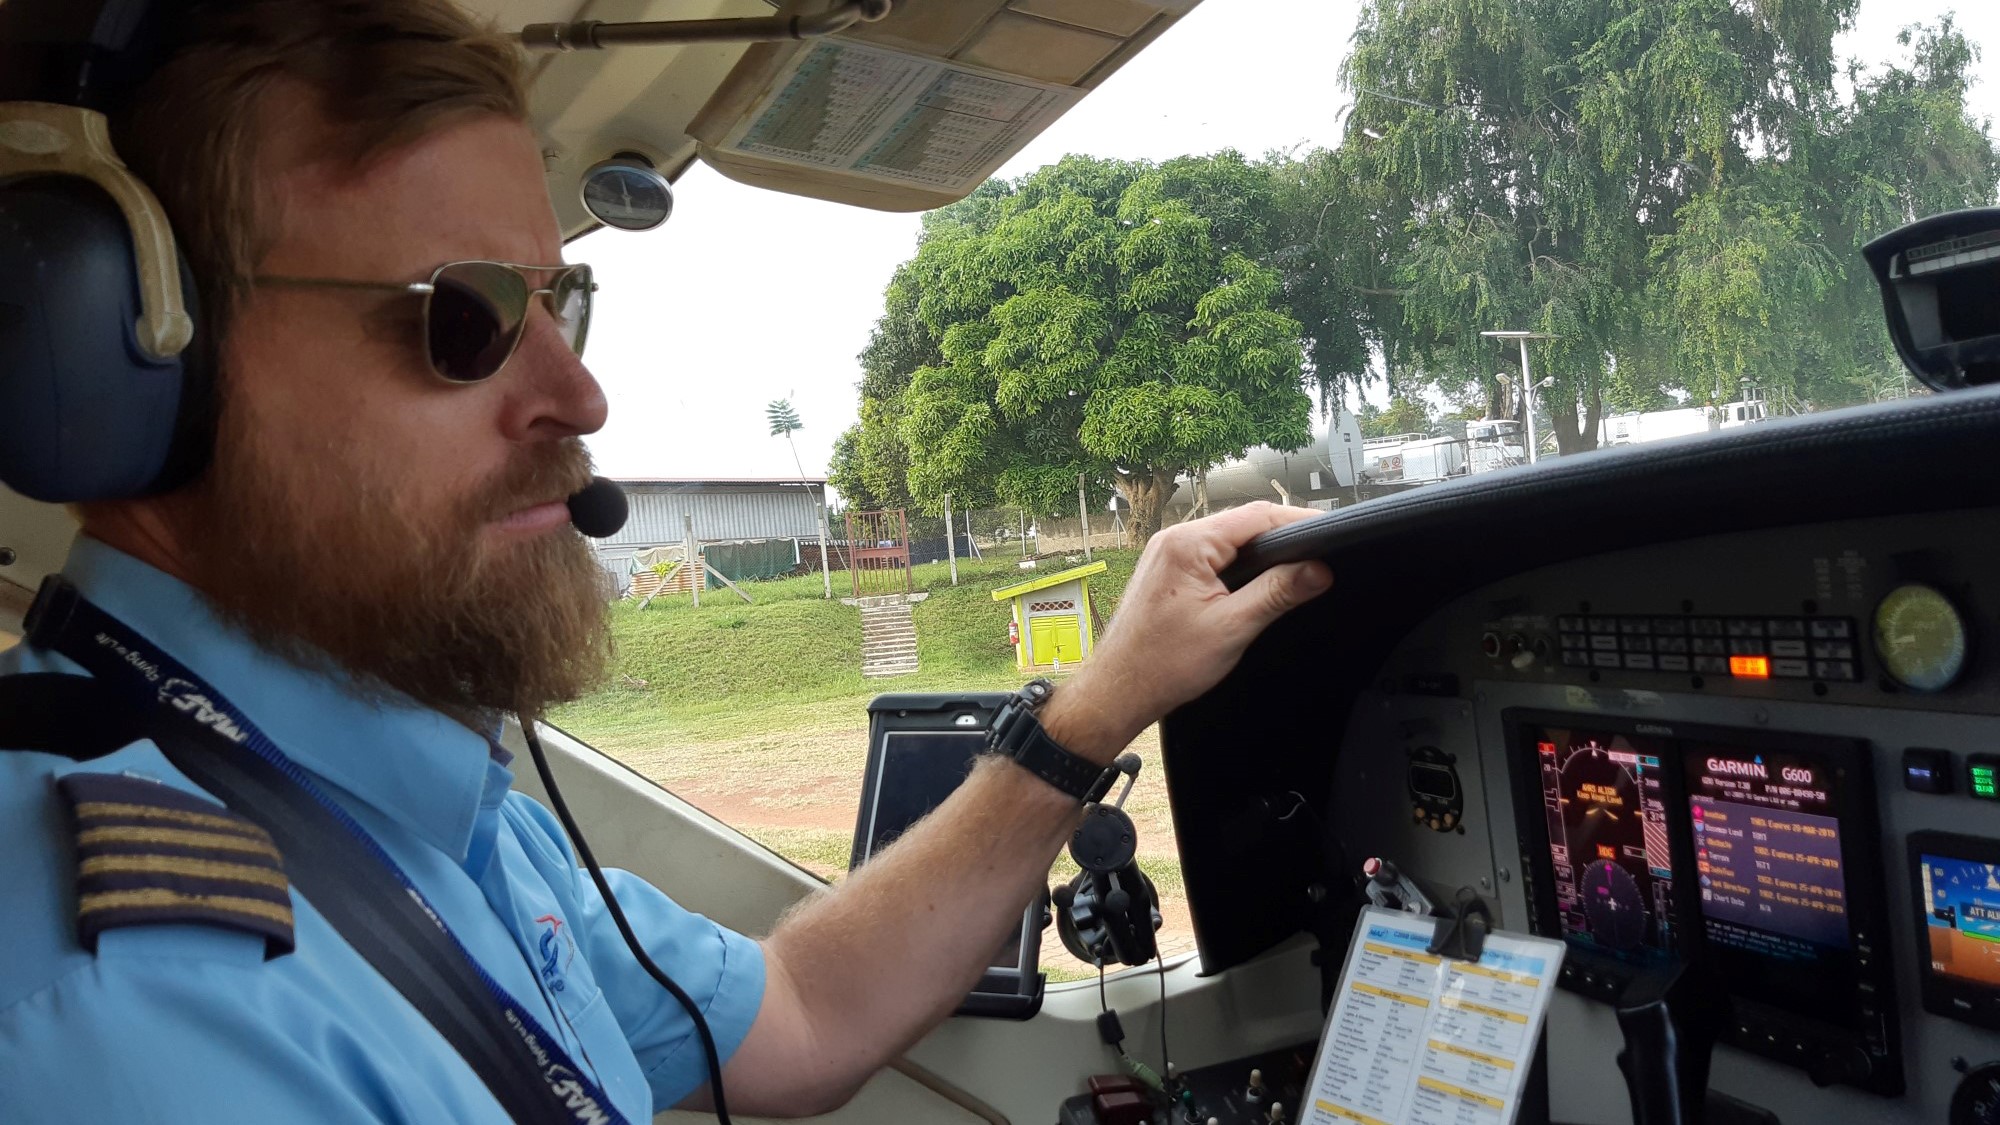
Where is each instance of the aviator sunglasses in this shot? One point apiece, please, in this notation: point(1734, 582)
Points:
point(476, 312)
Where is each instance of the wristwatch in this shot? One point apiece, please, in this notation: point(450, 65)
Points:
point(1017, 734)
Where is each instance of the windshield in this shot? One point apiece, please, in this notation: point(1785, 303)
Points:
point(1311, 253)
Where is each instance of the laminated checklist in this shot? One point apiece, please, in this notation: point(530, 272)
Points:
point(1418, 1038)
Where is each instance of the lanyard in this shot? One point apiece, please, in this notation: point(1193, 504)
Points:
point(62, 619)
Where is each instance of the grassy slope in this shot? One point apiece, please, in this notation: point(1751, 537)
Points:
point(767, 699)
point(792, 660)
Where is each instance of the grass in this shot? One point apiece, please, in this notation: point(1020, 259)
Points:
point(758, 713)
point(792, 660)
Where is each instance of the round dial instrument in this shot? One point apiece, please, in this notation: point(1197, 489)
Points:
point(628, 193)
point(1920, 637)
point(1977, 1099)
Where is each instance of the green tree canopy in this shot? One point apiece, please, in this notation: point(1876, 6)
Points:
point(1098, 317)
point(1676, 190)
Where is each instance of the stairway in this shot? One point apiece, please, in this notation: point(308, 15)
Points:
point(888, 636)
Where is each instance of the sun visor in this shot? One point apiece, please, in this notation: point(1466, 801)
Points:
point(1940, 280)
point(916, 110)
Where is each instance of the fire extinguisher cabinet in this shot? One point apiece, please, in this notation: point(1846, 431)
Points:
point(1051, 626)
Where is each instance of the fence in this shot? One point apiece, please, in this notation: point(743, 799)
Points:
point(1014, 533)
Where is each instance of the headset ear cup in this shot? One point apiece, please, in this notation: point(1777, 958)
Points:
point(85, 414)
point(192, 446)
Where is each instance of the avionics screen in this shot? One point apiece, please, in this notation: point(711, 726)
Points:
point(1962, 918)
point(1603, 801)
point(1767, 848)
point(918, 770)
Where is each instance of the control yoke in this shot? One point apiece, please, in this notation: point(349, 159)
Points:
point(1671, 1017)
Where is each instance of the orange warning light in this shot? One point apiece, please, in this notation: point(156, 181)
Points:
point(1752, 667)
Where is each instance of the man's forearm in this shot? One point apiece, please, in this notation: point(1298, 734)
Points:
point(879, 961)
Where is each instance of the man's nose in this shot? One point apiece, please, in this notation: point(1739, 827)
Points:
point(553, 394)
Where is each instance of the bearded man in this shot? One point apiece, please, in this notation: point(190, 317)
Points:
point(374, 568)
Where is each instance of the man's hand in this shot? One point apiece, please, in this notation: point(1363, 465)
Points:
point(1178, 629)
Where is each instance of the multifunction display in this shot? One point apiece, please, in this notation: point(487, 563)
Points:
point(1767, 851)
point(1605, 807)
point(1753, 856)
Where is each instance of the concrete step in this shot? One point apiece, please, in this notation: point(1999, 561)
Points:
point(895, 652)
point(891, 635)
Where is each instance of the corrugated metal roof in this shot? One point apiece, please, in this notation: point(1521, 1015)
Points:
point(780, 481)
point(720, 514)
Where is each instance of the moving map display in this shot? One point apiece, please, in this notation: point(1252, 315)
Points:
point(1603, 799)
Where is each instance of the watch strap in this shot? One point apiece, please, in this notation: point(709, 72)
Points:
point(1018, 734)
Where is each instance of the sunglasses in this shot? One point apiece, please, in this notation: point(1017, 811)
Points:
point(476, 312)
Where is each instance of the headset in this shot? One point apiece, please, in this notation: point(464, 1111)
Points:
point(104, 391)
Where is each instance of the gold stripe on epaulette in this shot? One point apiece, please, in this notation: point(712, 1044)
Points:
point(91, 810)
point(182, 865)
point(159, 898)
point(176, 837)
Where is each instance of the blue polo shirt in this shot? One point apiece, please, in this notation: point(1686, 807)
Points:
point(188, 1022)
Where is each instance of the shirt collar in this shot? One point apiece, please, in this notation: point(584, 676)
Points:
point(419, 768)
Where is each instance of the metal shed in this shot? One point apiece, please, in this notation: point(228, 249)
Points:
point(725, 510)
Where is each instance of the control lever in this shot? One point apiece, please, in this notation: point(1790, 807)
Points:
point(1671, 1017)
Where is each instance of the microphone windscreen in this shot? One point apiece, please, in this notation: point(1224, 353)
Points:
point(598, 510)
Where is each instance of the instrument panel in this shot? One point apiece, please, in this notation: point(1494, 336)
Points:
point(1766, 754)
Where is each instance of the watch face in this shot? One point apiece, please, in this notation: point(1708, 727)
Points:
point(628, 196)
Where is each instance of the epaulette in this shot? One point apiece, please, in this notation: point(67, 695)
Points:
point(149, 854)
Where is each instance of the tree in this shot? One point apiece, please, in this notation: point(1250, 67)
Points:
point(1097, 317)
point(784, 421)
point(1674, 189)
point(1403, 416)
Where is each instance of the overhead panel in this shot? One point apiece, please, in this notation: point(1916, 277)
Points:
point(916, 110)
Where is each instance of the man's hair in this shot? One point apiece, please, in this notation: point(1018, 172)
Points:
point(385, 73)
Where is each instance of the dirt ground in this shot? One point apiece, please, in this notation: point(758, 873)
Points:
point(799, 791)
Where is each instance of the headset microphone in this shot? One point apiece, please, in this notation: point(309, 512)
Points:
point(599, 509)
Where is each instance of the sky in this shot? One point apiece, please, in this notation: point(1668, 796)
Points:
point(748, 295)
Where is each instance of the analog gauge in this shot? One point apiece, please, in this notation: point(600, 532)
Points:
point(1977, 1100)
point(628, 193)
point(1921, 638)
point(1612, 902)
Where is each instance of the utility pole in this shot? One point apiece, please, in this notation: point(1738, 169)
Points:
point(1528, 384)
point(698, 573)
point(1083, 517)
point(950, 539)
point(1024, 533)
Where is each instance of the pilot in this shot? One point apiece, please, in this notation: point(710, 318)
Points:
point(377, 566)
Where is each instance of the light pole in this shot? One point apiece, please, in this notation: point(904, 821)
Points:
point(1528, 385)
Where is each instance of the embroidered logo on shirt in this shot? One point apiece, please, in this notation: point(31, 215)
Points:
point(557, 950)
point(149, 854)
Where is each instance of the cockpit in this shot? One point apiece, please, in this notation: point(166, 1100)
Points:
point(1715, 713)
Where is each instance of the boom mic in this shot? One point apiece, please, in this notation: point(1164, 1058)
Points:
point(598, 509)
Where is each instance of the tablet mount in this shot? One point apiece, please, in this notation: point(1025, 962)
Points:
point(1109, 913)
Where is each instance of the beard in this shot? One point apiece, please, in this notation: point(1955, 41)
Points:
point(332, 570)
